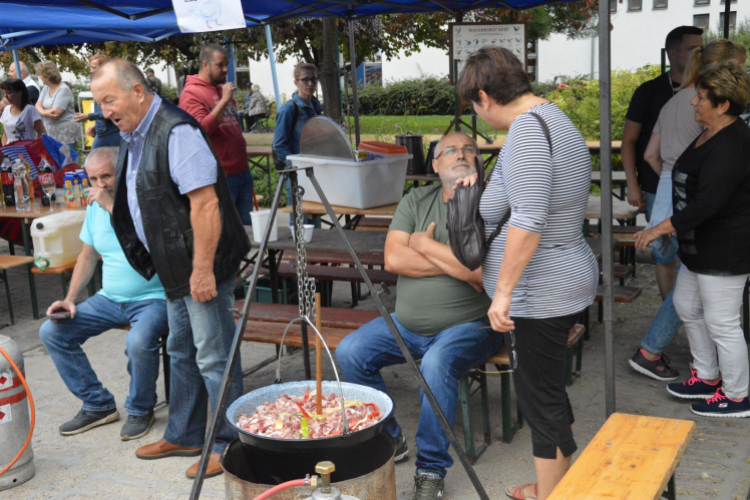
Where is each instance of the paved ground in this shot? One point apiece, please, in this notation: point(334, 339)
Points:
point(98, 465)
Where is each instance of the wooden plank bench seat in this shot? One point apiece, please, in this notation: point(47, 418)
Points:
point(348, 274)
point(335, 258)
point(11, 262)
point(65, 272)
point(476, 380)
point(374, 224)
point(631, 457)
point(334, 317)
point(270, 333)
point(622, 294)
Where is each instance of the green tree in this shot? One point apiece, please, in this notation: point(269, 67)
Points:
point(740, 33)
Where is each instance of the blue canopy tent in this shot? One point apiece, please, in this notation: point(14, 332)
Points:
point(125, 17)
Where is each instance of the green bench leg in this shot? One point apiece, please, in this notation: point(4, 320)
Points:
point(7, 295)
point(463, 396)
point(505, 407)
point(485, 409)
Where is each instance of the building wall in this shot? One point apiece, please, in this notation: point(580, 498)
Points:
point(637, 37)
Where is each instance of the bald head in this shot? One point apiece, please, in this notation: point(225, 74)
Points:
point(122, 92)
point(100, 167)
point(24, 70)
point(125, 72)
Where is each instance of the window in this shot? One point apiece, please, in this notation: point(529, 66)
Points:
point(660, 4)
point(701, 21)
point(635, 5)
point(702, 2)
point(724, 2)
point(613, 5)
point(732, 20)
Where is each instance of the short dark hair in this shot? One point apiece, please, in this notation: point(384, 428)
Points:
point(207, 53)
point(304, 66)
point(726, 81)
point(674, 38)
point(16, 85)
point(496, 71)
point(149, 70)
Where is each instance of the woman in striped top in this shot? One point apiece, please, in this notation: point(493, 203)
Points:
point(539, 271)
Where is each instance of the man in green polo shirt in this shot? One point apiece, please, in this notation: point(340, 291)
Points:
point(126, 299)
point(441, 312)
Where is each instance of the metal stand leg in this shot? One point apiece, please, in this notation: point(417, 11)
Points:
point(32, 283)
point(671, 493)
point(7, 295)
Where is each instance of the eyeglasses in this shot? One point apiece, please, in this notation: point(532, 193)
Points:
point(308, 81)
point(451, 151)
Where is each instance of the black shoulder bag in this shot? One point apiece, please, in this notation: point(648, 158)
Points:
point(277, 161)
point(465, 225)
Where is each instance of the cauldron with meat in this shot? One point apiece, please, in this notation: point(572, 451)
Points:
point(281, 419)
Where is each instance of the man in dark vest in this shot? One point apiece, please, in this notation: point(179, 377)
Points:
point(174, 216)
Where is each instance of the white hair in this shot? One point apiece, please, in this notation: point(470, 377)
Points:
point(108, 154)
point(439, 146)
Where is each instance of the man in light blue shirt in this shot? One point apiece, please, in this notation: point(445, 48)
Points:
point(126, 299)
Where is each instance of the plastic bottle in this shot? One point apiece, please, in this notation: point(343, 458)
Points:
point(46, 175)
point(68, 181)
point(21, 187)
point(77, 187)
point(27, 165)
point(6, 177)
point(84, 186)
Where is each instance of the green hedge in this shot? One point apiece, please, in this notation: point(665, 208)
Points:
point(414, 96)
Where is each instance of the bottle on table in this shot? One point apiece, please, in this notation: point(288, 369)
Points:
point(27, 165)
point(21, 187)
point(6, 177)
point(68, 186)
point(47, 182)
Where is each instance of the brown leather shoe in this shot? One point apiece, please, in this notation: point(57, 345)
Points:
point(163, 449)
point(214, 468)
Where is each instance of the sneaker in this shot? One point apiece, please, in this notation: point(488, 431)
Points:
point(86, 420)
point(402, 449)
point(693, 388)
point(137, 426)
point(721, 406)
point(658, 369)
point(428, 486)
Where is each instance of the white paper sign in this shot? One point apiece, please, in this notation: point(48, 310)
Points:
point(468, 38)
point(196, 16)
point(6, 381)
point(5, 415)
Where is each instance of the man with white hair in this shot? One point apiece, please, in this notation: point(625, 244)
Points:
point(441, 312)
point(31, 85)
point(126, 299)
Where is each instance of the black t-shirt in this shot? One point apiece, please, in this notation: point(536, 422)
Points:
point(711, 201)
point(644, 109)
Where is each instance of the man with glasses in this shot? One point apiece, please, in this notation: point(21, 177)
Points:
point(293, 115)
point(441, 312)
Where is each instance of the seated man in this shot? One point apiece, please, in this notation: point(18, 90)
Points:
point(126, 298)
point(441, 311)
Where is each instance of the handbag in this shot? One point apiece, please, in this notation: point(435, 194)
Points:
point(465, 225)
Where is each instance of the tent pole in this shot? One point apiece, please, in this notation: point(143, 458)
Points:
point(18, 64)
point(727, 11)
point(272, 62)
point(605, 138)
point(232, 75)
point(353, 57)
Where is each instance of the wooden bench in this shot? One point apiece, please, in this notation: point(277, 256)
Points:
point(374, 224)
point(334, 317)
point(66, 272)
point(11, 262)
point(631, 457)
point(478, 378)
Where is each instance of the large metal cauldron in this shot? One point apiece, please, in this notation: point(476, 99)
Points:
point(365, 470)
point(413, 144)
point(250, 401)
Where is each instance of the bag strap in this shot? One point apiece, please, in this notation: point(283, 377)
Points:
point(506, 217)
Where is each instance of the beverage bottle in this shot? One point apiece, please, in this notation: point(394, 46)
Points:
point(27, 166)
point(21, 186)
point(70, 198)
point(6, 177)
point(77, 187)
point(47, 181)
point(84, 186)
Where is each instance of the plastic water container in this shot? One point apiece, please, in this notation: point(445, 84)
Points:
point(364, 184)
point(56, 237)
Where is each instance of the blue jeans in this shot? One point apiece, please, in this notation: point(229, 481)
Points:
point(200, 341)
point(669, 254)
point(664, 328)
point(107, 140)
point(63, 340)
point(241, 189)
point(445, 358)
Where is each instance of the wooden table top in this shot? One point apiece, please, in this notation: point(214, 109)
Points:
point(259, 150)
point(630, 457)
point(37, 210)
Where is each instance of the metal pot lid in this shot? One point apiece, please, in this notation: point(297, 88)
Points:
point(324, 138)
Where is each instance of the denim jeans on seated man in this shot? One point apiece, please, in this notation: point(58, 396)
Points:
point(241, 189)
point(63, 340)
point(445, 357)
point(200, 341)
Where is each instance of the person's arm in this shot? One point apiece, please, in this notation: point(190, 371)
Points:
point(40, 108)
point(64, 99)
point(82, 273)
point(5, 138)
point(39, 127)
point(206, 224)
point(630, 134)
point(402, 260)
point(198, 109)
point(643, 238)
point(282, 136)
point(653, 153)
point(442, 257)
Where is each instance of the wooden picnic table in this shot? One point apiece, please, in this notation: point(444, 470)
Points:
point(27, 217)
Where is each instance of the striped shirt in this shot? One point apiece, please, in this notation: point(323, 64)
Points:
point(548, 196)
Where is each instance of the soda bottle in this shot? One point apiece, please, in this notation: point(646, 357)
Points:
point(6, 177)
point(47, 182)
point(21, 187)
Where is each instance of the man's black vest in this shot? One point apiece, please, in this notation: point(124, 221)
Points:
point(166, 213)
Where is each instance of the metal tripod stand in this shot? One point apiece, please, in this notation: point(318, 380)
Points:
point(218, 412)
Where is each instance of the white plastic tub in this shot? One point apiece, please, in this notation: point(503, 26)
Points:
point(363, 184)
point(56, 237)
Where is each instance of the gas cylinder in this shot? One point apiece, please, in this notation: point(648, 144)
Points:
point(14, 419)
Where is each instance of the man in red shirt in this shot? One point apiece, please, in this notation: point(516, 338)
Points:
point(210, 100)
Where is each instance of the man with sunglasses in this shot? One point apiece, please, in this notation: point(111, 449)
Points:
point(441, 312)
point(293, 115)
